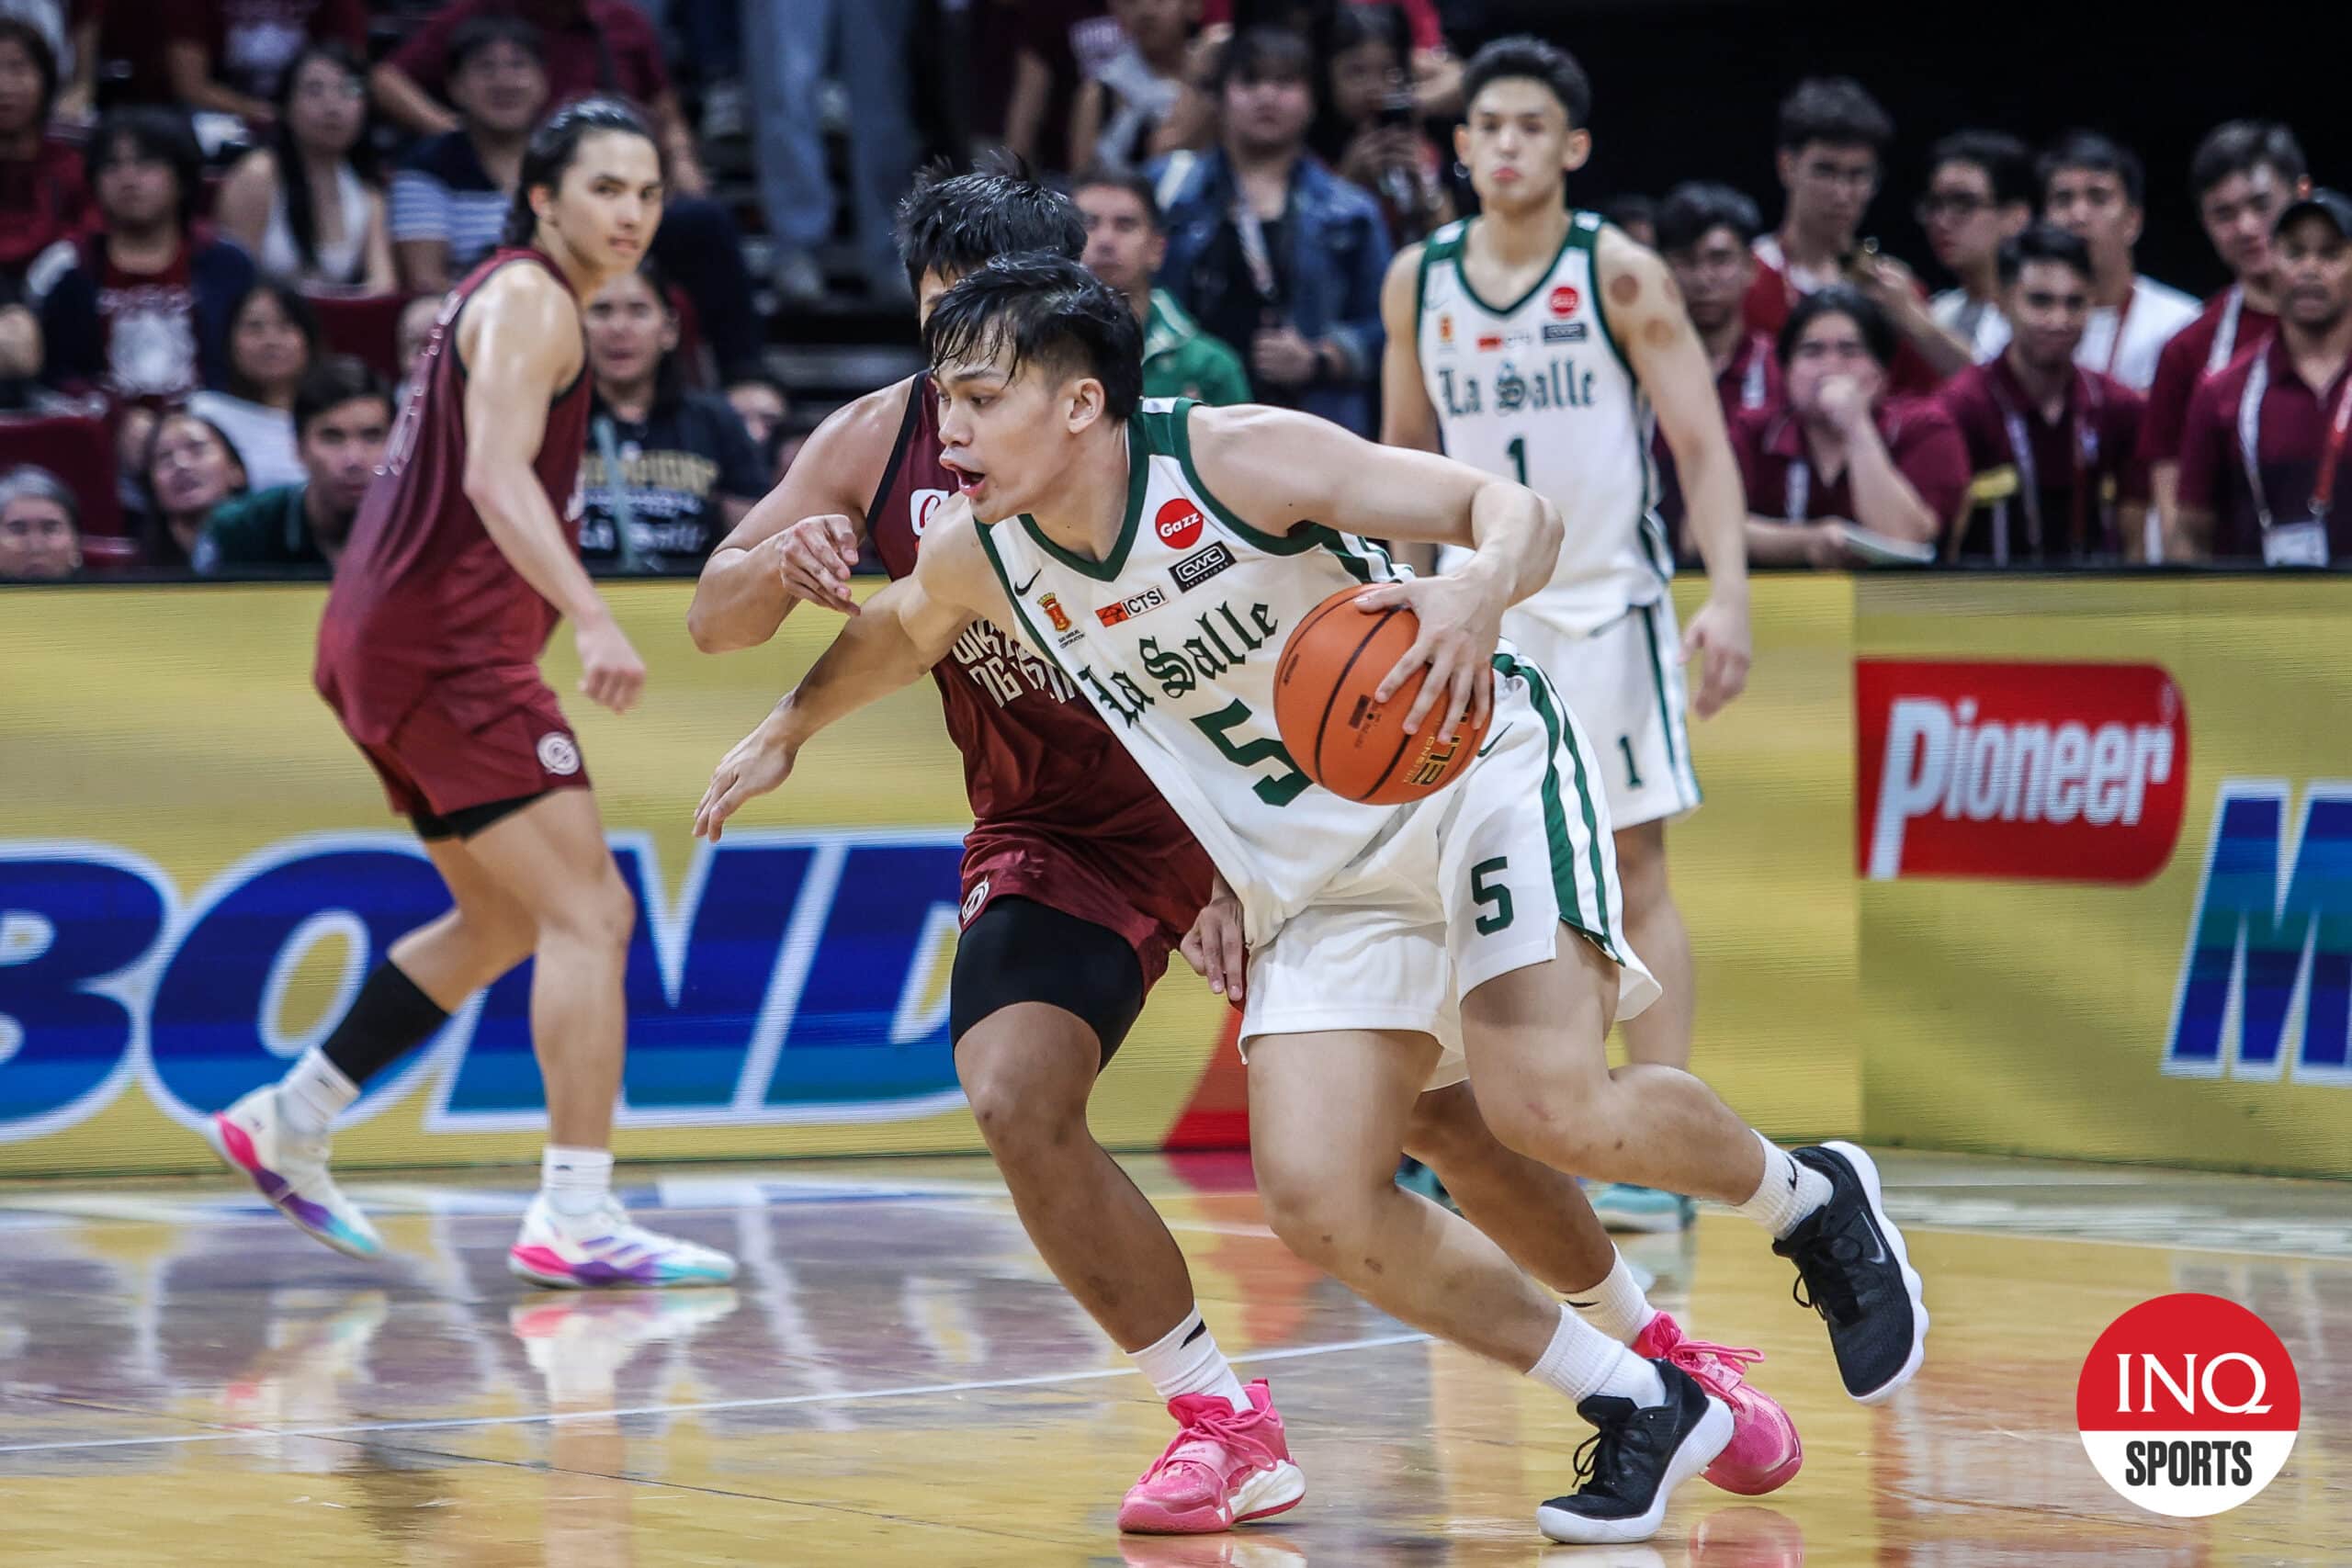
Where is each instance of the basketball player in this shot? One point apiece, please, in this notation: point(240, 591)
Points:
point(462, 559)
point(1557, 390)
point(1079, 879)
point(1365, 922)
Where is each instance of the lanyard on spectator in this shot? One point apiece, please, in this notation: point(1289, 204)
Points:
point(2331, 446)
point(1798, 489)
point(2225, 336)
point(1751, 385)
point(2083, 450)
point(1251, 232)
point(2122, 320)
point(608, 447)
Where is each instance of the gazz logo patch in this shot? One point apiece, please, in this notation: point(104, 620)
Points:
point(1197, 569)
point(1128, 609)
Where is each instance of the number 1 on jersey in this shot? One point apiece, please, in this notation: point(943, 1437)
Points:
point(1518, 450)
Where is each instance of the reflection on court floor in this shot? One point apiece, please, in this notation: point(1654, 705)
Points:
point(895, 1378)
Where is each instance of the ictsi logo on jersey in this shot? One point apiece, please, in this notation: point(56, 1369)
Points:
point(2189, 1404)
point(2068, 773)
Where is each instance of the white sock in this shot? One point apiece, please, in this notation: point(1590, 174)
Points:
point(1616, 1306)
point(1582, 1362)
point(312, 1094)
point(1185, 1359)
point(1787, 1194)
point(576, 1182)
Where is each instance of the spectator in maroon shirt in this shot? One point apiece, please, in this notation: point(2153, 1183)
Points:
point(1831, 144)
point(2287, 404)
point(1839, 452)
point(43, 199)
point(222, 55)
point(1704, 233)
point(2244, 174)
point(2052, 445)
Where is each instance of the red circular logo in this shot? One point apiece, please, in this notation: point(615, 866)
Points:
point(1178, 524)
point(1563, 301)
point(2189, 1404)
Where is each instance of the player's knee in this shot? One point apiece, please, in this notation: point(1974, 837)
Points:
point(1561, 1130)
point(1313, 1212)
point(1641, 864)
point(1446, 1129)
point(601, 915)
point(1021, 1111)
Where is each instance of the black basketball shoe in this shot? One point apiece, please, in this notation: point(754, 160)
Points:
point(1853, 1269)
point(1634, 1463)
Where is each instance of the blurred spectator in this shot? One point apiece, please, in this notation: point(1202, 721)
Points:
point(451, 214)
point(1437, 72)
point(1980, 196)
point(2261, 457)
point(1704, 233)
point(343, 415)
point(414, 337)
point(1041, 50)
point(1370, 128)
point(1636, 215)
point(668, 471)
point(41, 526)
point(227, 56)
point(2244, 174)
point(2092, 187)
point(758, 401)
point(1840, 451)
point(20, 354)
point(1125, 245)
point(308, 206)
point(451, 193)
point(1830, 145)
point(43, 197)
point(2052, 446)
point(188, 469)
point(1123, 107)
point(1269, 250)
point(273, 342)
point(787, 41)
point(140, 310)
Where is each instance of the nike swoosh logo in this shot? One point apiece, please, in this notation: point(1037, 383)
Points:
point(1584, 1306)
point(1491, 743)
point(1023, 591)
point(1878, 1242)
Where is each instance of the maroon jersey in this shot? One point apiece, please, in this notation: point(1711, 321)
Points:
point(1062, 814)
point(423, 594)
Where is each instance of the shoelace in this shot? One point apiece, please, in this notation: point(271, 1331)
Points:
point(1227, 1427)
point(1599, 1458)
point(1698, 1358)
point(1825, 1280)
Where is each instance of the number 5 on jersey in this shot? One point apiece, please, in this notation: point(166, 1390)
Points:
point(1491, 895)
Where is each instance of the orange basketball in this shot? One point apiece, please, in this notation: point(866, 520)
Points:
point(1333, 730)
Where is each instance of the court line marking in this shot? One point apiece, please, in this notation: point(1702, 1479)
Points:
point(1091, 1374)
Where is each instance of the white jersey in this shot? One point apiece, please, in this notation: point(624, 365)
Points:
point(1174, 637)
point(1539, 391)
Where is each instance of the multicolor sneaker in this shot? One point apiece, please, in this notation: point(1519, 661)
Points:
point(1224, 1469)
point(1642, 1210)
point(604, 1248)
point(291, 1171)
point(1764, 1452)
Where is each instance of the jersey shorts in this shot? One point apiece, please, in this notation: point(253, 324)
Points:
point(1468, 885)
point(472, 738)
point(1623, 681)
point(1090, 880)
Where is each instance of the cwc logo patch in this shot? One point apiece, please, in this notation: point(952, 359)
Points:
point(1563, 332)
point(559, 754)
point(1193, 570)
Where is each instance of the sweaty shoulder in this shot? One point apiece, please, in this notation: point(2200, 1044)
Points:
point(533, 314)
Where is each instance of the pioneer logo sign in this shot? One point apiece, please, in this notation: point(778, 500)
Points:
point(2066, 772)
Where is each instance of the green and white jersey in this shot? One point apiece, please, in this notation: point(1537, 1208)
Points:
point(1538, 391)
point(1174, 637)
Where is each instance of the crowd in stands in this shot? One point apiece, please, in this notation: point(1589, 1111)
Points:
point(226, 226)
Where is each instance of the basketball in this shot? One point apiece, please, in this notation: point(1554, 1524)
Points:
point(1338, 735)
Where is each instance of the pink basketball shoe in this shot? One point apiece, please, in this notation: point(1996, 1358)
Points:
point(1764, 1451)
point(1224, 1469)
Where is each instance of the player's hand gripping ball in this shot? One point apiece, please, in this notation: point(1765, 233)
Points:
point(1335, 730)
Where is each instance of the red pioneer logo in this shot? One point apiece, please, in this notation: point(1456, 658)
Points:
point(1564, 301)
point(2065, 773)
point(1178, 524)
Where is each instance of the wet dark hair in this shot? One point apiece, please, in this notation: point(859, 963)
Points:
point(477, 33)
point(157, 133)
point(1510, 58)
point(1839, 300)
point(301, 218)
point(952, 224)
point(554, 146)
point(1628, 209)
point(2100, 154)
point(1264, 54)
point(1694, 208)
point(2044, 242)
point(1838, 110)
point(333, 381)
point(1132, 182)
point(35, 43)
point(2239, 147)
point(1049, 311)
point(297, 311)
point(2007, 162)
